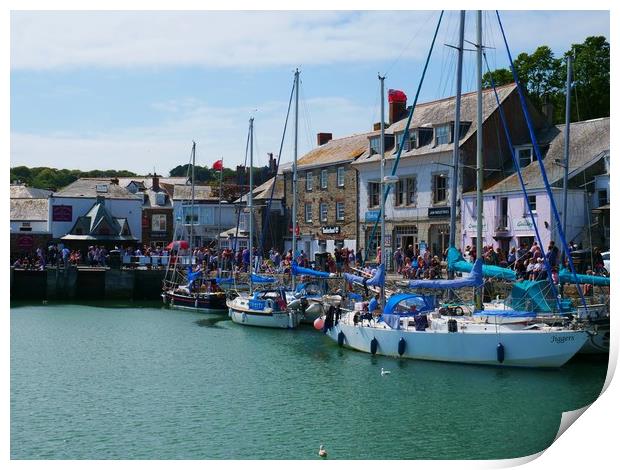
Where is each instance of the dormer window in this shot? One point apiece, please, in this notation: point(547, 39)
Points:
point(161, 199)
point(525, 155)
point(442, 134)
point(375, 145)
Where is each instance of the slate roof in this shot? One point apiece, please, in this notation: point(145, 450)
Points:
point(263, 192)
point(344, 149)
point(147, 181)
point(87, 187)
point(201, 193)
point(20, 191)
point(589, 142)
point(439, 112)
point(29, 209)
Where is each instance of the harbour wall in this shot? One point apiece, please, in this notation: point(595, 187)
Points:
point(86, 284)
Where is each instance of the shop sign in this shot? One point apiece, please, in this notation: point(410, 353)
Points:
point(62, 213)
point(439, 212)
point(473, 226)
point(422, 246)
point(372, 216)
point(25, 242)
point(523, 225)
point(330, 230)
point(388, 240)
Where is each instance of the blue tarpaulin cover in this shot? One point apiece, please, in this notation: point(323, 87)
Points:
point(422, 302)
point(505, 313)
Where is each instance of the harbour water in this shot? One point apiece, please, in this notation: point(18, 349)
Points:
point(144, 382)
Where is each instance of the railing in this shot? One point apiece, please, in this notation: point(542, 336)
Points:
point(157, 260)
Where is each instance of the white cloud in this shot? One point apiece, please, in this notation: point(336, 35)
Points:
point(217, 131)
point(44, 40)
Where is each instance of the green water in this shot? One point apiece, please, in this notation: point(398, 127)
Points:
point(90, 382)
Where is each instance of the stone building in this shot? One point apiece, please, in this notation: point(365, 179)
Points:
point(327, 195)
point(30, 224)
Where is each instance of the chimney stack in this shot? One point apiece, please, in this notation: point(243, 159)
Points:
point(323, 138)
point(547, 109)
point(397, 105)
point(155, 185)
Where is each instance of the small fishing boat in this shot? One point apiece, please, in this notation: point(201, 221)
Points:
point(266, 308)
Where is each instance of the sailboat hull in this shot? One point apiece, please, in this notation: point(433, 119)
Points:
point(214, 303)
point(240, 313)
point(519, 349)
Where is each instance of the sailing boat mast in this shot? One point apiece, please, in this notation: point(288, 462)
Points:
point(294, 215)
point(479, 161)
point(569, 72)
point(191, 233)
point(219, 224)
point(457, 138)
point(251, 201)
point(382, 185)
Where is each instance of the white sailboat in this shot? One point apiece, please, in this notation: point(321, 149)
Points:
point(187, 288)
point(263, 307)
point(411, 325)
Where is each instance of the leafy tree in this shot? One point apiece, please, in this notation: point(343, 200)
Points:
point(500, 77)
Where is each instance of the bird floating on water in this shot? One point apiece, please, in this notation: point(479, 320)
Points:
point(322, 451)
point(385, 372)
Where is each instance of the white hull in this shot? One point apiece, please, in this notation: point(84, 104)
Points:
point(522, 348)
point(239, 312)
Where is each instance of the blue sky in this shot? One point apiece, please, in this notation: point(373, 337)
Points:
point(131, 90)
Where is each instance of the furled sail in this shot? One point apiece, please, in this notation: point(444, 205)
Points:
point(456, 262)
point(569, 278)
point(378, 278)
point(473, 280)
point(262, 279)
point(300, 271)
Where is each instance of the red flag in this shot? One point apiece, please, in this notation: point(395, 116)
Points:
point(218, 165)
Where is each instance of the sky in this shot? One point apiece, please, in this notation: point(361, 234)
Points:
point(132, 89)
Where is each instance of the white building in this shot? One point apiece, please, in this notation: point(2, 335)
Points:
point(75, 200)
point(418, 209)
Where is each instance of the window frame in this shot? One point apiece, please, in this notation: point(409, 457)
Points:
point(340, 206)
point(309, 181)
point(324, 178)
point(340, 175)
point(405, 194)
point(156, 227)
point(307, 219)
point(376, 191)
point(436, 188)
point(323, 211)
point(447, 134)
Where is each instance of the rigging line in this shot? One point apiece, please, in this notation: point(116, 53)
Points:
point(405, 132)
point(273, 187)
point(515, 162)
point(241, 186)
point(589, 222)
point(424, 23)
point(306, 117)
point(540, 162)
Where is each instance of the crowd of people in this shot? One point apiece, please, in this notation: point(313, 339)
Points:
point(527, 261)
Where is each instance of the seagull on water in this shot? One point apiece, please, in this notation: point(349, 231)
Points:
point(322, 451)
point(385, 372)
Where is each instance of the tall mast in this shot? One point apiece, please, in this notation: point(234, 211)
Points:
point(569, 72)
point(219, 224)
point(294, 247)
point(381, 186)
point(457, 138)
point(251, 201)
point(191, 233)
point(479, 161)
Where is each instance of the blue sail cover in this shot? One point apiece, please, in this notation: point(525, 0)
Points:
point(569, 278)
point(262, 279)
point(299, 271)
point(422, 302)
point(224, 280)
point(505, 313)
point(378, 278)
point(192, 275)
point(456, 262)
point(473, 280)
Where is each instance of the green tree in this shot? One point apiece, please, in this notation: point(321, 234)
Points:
point(500, 77)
